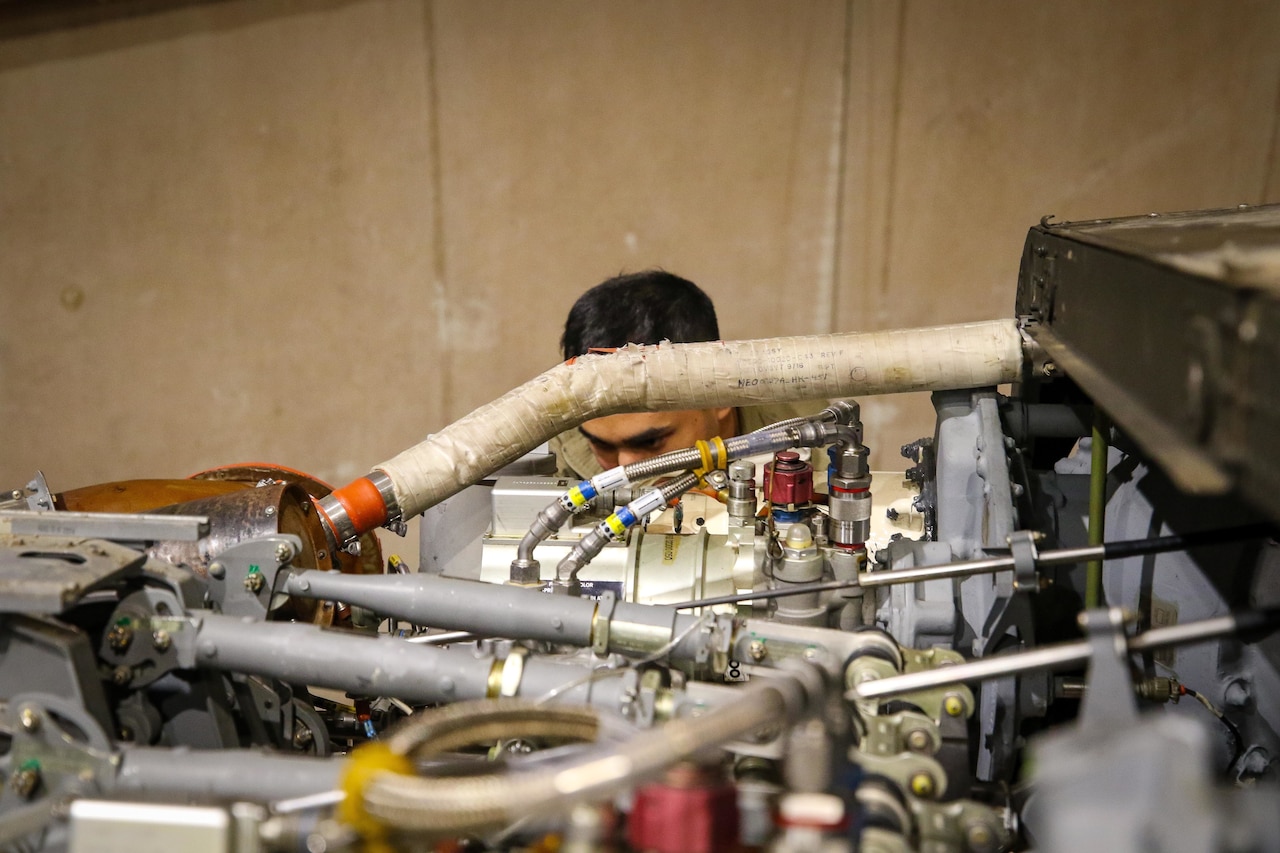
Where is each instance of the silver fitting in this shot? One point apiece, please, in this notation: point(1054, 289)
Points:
point(387, 488)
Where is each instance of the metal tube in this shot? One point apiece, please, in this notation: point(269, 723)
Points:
point(481, 608)
point(362, 665)
point(927, 573)
point(224, 774)
point(1093, 592)
point(1068, 654)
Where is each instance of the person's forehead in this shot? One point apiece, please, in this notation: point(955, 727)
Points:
point(616, 428)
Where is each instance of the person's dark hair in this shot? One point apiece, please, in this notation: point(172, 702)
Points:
point(639, 308)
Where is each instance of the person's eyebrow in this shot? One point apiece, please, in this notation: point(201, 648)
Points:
point(640, 440)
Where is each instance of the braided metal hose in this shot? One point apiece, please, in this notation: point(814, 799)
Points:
point(454, 805)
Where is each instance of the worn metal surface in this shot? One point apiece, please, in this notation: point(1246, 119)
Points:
point(119, 526)
point(1172, 324)
point(47, 574)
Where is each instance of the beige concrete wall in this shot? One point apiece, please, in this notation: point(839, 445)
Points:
point(311, 232)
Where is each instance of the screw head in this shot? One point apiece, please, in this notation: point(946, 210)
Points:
point(161, 640)
point(757, 650)
point(923, 786)
point(24, 782)
point(217, 570)
point(29, 719)
point(953, 705)
point(918, 740)
point(270, 510)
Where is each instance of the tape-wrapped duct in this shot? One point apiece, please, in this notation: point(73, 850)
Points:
point(697, 376)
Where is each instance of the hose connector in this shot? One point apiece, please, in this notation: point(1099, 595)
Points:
point(359, 507)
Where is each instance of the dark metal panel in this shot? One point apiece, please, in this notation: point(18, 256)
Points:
point(1172, 325)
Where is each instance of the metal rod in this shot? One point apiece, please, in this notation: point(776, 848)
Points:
point(798, 589)
point(1065, 655)
point(1067, 556)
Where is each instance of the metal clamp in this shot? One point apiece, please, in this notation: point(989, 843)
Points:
point(600, 626)
point(1022, 547)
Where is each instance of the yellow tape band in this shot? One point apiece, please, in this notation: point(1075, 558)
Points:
point(615, 524)
point(362, 765)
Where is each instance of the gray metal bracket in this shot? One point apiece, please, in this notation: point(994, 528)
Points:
point(148, 636)
point(1109, 702)
point(58, 752)
point(242, 578)
point(48, 574)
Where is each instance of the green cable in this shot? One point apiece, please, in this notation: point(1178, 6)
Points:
point(1097, 507)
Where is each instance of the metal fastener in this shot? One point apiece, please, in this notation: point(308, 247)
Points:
point(119, 637)
point(30, 719)
point(217, 570)
point(923, 786)
point(161, 640)
point(283, 553)
point(980, 838)
point(121, 675)
point(757, 650)
point(270, 510)
point(303, 737)
point(253, 582)
point(953, 705)
point(918, 740)
point(24, 781)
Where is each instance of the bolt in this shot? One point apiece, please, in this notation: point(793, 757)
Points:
point(980, 838)
point(119, 637)
point(253, 582)
point(270, 510)
point(30, 719)
point(24, 782)
point(918, 740)
point(303, 737)
point(953, 705)
point(923, 786)
point(757, 650)
point(1049, 369)
point(217, 570)
point(161, 640)
point(283, 553)
point(121, 675)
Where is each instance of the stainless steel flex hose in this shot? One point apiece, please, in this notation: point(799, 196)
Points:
point(453, 805)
